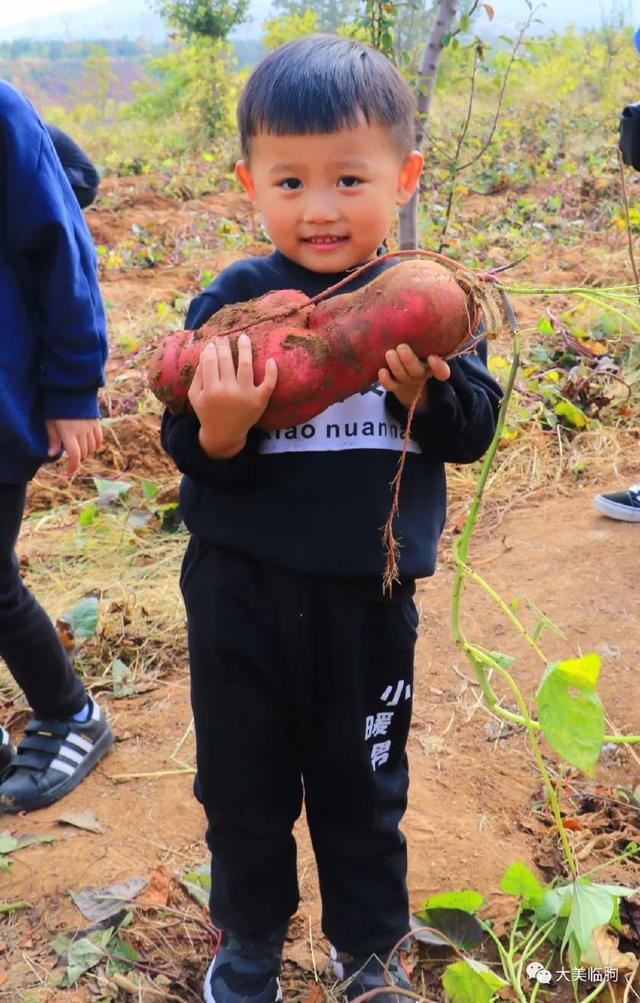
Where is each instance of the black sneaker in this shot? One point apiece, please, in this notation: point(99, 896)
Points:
point(245, 971)
point(361, 973)
point(52, 759)
point(624, 505)
point(6, 752)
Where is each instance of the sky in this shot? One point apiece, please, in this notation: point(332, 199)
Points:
point(555, 13)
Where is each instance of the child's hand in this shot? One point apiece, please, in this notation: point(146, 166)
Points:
point(79, 437)
point(407, 375)
point(227, 402)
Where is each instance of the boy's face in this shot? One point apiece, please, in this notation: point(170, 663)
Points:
point(328, 199)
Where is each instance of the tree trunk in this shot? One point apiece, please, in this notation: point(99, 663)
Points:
point(408, 215)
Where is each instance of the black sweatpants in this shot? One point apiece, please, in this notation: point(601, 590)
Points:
point(29, 643)
point(299, 686)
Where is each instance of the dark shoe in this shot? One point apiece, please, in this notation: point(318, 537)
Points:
point(245, 971)
point(6, 752)
point(361, 973)
point(623, 505)
point(52, 759)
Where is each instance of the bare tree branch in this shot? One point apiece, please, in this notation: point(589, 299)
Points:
point(427, 71)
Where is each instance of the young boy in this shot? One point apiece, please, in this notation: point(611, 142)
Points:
point(301, 669)
point(52, 353)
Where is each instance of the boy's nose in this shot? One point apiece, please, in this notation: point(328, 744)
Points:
point(320, 209)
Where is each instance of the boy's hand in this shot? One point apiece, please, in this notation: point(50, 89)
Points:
point(79, 437)
point(227, 401)
point(407, 374)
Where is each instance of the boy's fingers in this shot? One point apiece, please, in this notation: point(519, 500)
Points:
point(395, 365)
point(245, 361)
point(386, 379)
point(196, 387)
point(226, 367)
point(209, 365)
point(439, 367)
point(413, 365)
point(73, 457)
point(55, 443)
point(267, 386)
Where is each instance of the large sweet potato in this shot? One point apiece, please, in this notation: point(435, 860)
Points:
point(328, 351)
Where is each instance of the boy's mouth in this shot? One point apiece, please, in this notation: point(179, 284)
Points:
point(324, 241)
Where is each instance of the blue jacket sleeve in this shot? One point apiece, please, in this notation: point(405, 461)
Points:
point(54, 254)
point(461, 414)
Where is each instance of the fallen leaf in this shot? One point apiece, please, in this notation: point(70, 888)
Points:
point(156, 893)
point(4, 975)
point(572, 824)
point(97, 904)
point(82, 818)
point(602, 951)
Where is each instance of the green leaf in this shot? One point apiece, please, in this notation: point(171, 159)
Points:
point(122, 957)
point(60, 945)
point(591, 906)
point(88, 514)
point(470, 982)
point(459, 927)
point(197, 882)
point(123, 679)
point(570, 711)
point(81, 620)
point(504, 661)
point(618, 891)
point(518, 880)
point(7, 842)
point(110, 491)
point(573, 414)
point(545, 326)
point(82, 955)
point(468, 900)
point(554, 203)
point(556, 902)
point(149, 489)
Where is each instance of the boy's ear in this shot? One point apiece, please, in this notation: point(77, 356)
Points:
point(244, 177)
point(409, 176)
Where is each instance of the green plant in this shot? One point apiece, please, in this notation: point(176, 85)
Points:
point(567, 916)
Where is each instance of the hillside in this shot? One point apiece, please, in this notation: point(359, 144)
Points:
point(65, 82)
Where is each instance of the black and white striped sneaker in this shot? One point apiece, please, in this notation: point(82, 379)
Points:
point(6, 752)
point(52, 759)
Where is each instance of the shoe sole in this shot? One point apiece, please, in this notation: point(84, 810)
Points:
point(100, 747)
point(614, 510)
point(210, 998)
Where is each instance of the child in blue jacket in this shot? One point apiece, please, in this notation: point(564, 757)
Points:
point(52, 353)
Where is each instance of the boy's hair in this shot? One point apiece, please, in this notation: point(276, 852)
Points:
point(323, 83)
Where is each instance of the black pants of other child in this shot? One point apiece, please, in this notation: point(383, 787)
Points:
point(29, 643)
point(299, 686)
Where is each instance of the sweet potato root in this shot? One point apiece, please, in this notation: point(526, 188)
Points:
point(328, 351)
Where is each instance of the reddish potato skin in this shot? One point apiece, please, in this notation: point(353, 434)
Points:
point(332, 350)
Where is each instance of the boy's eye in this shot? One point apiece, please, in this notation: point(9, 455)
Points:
point(290, 184)
point(349, 181)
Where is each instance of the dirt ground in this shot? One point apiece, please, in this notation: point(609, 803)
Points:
point(474, 785)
